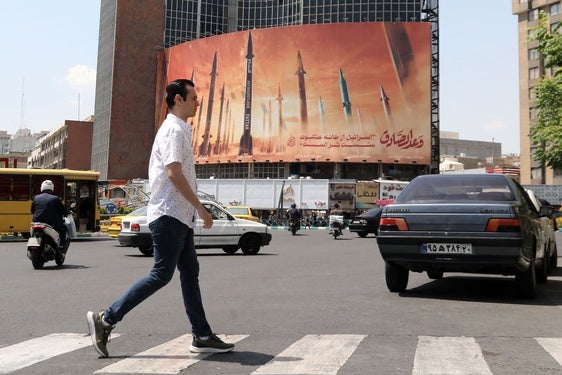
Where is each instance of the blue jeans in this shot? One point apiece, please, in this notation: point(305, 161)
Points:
point(173, 247)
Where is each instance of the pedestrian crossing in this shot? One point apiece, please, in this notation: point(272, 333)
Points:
point(314, 354)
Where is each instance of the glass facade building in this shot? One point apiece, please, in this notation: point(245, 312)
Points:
point(187, 20)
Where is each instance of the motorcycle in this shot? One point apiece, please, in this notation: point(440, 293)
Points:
point(294, 225)
point(336, 225)
point(43, 243)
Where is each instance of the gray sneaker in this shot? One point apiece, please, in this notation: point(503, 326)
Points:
point(98, 332)
point(212, 345)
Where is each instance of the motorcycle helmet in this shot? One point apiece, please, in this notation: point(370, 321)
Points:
point(293, 205)
point(336, 205)
point(47, 185)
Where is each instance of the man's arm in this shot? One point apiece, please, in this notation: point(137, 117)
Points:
point(178, 179)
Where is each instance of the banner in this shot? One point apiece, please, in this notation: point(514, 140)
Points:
point(357, 92)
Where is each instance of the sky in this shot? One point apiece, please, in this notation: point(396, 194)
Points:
point(48, 67)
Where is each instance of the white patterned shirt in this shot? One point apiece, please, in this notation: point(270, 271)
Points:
point(171, 144)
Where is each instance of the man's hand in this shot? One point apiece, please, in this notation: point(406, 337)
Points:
point(206, 217)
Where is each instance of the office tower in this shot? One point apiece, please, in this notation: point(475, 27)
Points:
point(132, 33)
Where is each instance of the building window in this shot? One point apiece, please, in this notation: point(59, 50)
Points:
point(534, 73)
point(554, 9)
point(532, 94)
point(536, 173)
point(533, 54)
point(553, 26)
point(522, 1)
point(533, 15)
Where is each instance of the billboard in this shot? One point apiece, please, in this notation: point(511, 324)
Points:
point(357, 92)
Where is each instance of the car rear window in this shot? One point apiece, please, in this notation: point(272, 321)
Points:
point(457, 188)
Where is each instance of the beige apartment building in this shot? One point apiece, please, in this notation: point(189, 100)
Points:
point(530, 70)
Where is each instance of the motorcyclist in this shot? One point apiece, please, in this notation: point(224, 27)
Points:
point(48, 208)
point(293, 213)
point(336, 218)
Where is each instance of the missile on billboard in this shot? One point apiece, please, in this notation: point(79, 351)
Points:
point(195, 134)
point(386, 105)
point(322, 112)
point(302, 89)
point(216, 149)
point(205, 148)
point(345, 96)
point(246, 138)
point(279, 98)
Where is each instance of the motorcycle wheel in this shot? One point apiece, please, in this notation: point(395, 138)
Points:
point(59, 258)
point(37, 259)
point(293, 231)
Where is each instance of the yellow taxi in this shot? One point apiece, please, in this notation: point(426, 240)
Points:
point(243, 212)
point(114, 227)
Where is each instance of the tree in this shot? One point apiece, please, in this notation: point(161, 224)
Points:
point(546, 131)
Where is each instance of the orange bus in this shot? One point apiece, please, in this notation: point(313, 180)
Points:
point(77, 189)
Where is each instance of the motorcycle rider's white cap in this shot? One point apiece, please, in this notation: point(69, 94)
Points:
point(47, 185)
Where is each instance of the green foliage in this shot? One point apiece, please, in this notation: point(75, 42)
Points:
point(546, 131)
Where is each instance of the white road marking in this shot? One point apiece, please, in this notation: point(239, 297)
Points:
point(168, 358)
point(553, 346)
point(449, 355)
point(30, 352)
point(313, 354)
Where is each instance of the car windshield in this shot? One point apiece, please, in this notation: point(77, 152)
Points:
point(458, 188)
point(238, 210)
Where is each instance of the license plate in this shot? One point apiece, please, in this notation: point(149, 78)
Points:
point(447, 248)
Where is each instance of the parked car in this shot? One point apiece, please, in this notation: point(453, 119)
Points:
point(114, 227)
point(227, 233)
point(367, 222)
point(464, 223)
point(243, 212)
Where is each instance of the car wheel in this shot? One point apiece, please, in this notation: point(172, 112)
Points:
point(526, 281)
point(230, 250)
point(396, 277)
point(147, 250)
point(542, 274)
point(250, 244)
point(435, 275)
point(554, 258)
point(362, 234)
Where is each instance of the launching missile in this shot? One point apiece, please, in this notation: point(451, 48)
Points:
point(205, 147)
point(386, 105)
point(345, 96)
point(246, 138)
point(302, 89)
point(279, 98)
point(216, 149)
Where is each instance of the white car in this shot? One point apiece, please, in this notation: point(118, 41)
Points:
point(228, 233)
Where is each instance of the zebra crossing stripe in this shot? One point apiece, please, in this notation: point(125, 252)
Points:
point(30, 352)
point(168, 358)
point(313, 354)
point(449, 355)
point(553, 346)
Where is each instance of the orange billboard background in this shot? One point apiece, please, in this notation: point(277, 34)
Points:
point(335, 92)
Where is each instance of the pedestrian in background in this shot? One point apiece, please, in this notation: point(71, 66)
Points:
point(172, 214)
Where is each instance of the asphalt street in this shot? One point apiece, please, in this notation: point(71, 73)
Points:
point(306, 304)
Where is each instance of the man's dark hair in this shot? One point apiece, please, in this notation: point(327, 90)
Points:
point(177, 87)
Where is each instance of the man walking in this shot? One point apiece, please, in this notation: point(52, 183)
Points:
point(172, 213)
